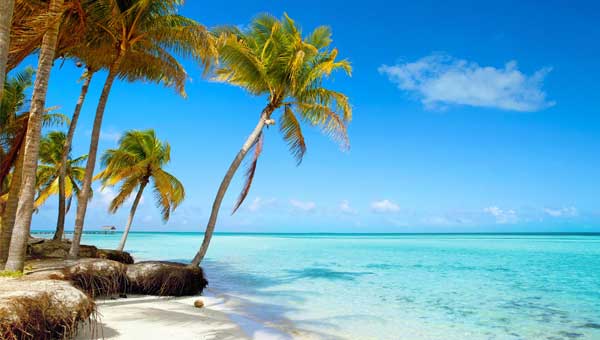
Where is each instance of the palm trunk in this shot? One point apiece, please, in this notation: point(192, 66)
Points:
point(62, 209)
point(212, 221)
point(18, 243)
point(8, 217)
point(83, 198)
point(136, 201)
point(6, 14)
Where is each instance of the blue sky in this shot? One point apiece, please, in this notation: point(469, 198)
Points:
point(468, 116)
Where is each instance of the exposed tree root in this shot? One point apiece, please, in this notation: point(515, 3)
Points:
point(98, 277)
point(165, 279)
point(43, 310)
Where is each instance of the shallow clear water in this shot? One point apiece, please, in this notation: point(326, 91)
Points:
point(402, 286)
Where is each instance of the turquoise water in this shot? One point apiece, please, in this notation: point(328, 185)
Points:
point(402, 286)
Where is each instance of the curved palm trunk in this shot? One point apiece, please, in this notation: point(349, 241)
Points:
point(62, 209)
point(136, 201)
point(18, 243)
point(83, 198)
point(6, 14)
point(8, 217)
point(212, 221)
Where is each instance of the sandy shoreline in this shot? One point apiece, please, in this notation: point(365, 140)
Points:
point(151, 317)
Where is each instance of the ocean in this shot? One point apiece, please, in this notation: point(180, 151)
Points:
point(399, 286)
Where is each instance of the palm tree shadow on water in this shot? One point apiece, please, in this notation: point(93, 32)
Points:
point(238, 284)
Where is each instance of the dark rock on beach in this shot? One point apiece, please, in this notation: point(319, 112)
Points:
point(165, 279)
point(57, 249)
point(115, 255)
point(43, 248)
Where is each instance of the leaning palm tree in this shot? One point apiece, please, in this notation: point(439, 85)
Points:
point(66, 147)
point(140, 159)
point(145, 35)
point(77, 25)
point(18, 243)
point(272, 59)
point(13, 127)
point(48, 174)
point(16, 255)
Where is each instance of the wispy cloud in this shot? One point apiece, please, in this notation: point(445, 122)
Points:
point(385, 206)
point(305, 206)
point(562, 212)
point(502, 216)
point(103, 197)
point(344, 207)
point(440, 80)
point(110, 136)
point(260, 203)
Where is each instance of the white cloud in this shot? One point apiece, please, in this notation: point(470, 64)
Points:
point(259, 203)
point(345, 208)
point(110, 136)
point(439, 80)
point(385, 206)
point(562, 212)
point(451, 219)
point(305, 206)
point(107, 194)
point(502, 216)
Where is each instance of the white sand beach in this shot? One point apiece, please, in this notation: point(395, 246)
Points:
point(151, 317)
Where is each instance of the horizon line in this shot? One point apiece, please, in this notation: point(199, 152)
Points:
point(100, 232)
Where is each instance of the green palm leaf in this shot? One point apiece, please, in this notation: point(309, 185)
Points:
point(272, 58)
point(139, 159)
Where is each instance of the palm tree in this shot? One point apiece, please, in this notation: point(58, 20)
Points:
point(13, 124)
point(6, 13)
point(13, 127)
point(63, 166)
point(12, 132)
point(18, 244)
point(76, 24)
point(139, 159)
point(144, 34)
point(272, 59)
point(48, 174)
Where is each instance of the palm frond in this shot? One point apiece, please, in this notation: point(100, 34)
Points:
point(140, 157)
point(126, 189)
point(249, 174)
point(292, 133)
point(271, 58)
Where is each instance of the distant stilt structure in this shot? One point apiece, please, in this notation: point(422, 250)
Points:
point(109, 229)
